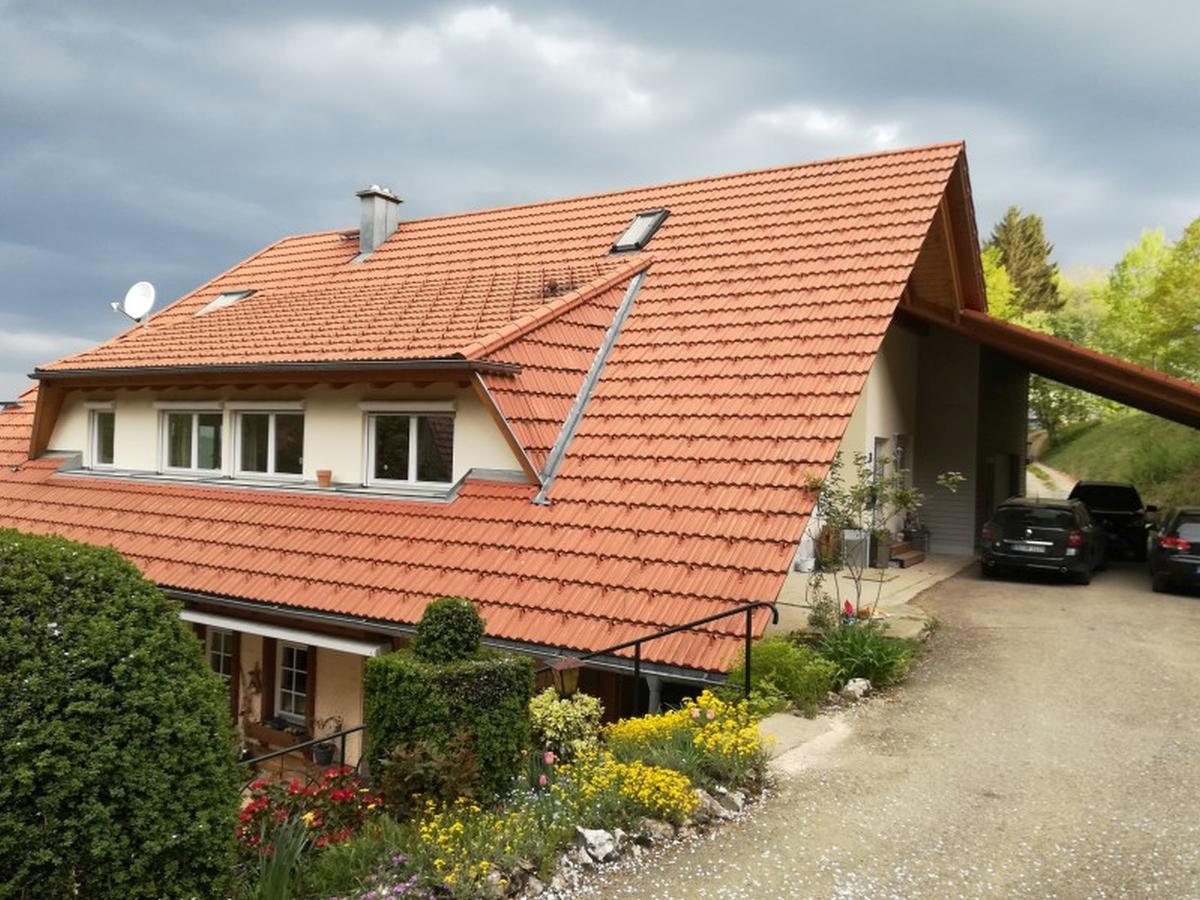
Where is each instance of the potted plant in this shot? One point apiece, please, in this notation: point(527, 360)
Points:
point(322, 753)
point(881, 548)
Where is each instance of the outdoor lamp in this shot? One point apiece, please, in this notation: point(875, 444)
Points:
point(566, 675)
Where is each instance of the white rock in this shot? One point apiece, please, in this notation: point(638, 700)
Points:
point(595, 843)
point(734, 801)
point(856, 689)
point(534, 887)
point(558, 884)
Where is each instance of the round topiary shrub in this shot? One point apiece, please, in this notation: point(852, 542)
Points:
point(450, 628)
point(119, 775)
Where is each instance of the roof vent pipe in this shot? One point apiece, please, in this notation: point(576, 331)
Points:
point(380, 217)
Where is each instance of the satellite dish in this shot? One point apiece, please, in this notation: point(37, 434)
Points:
point(138, 300)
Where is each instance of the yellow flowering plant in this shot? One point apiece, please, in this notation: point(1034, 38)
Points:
point(713, 741)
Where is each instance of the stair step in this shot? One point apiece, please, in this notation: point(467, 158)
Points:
point(901, 547)
point(909, 558)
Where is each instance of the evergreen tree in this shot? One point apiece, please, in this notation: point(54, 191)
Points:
point(1025, 254)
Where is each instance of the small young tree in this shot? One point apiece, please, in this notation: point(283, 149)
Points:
point(863, 501)
point(119, 775)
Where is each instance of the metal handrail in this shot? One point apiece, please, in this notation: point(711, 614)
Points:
point(746, 609)
point(339, 735)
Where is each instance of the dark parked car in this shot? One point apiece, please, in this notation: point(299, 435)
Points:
point(1175, 550)
point(1043, 535)
point(1118, 508)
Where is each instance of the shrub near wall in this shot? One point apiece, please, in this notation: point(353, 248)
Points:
point(118, 776)
point(409, 700)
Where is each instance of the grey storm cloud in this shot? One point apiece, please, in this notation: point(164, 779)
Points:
point(166, 141)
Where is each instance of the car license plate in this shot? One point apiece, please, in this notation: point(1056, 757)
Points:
point(1029, 548)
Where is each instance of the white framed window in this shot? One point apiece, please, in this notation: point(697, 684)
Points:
point(291, 691)
point(220, 652)
point(410, 447)
point(103, 427)
point(191, 440)
point(269, 443)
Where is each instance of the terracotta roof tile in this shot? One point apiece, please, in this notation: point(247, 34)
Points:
point(766, 298)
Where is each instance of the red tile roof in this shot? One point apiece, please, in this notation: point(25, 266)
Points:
point(765, 302)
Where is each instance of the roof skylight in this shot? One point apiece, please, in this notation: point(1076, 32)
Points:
point(640, 230)
point(228, 298)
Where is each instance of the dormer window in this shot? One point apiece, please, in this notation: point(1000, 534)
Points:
point(640, 230)
point(192, 438)
point(102, 422)
point(269, 443)
point(410, 444)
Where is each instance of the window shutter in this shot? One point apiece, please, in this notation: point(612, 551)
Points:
point(269, 675)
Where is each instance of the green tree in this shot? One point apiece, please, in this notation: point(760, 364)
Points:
point(1172, 316)
point(1025, 254)
point(1126, 299)
point(119, 776)
point(1001, 295)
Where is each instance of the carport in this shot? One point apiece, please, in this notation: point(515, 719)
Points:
point(1136, 386)
point(1008, 350)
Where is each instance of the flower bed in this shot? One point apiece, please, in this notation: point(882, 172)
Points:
point(642, 779)
point(333, 809)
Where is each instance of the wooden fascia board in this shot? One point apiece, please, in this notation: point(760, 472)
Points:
point(45, 417)
point(951, 251)
point(966, 232)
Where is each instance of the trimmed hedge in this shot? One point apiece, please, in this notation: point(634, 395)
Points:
point(409, 700)
point(119, 776)
point(450, 628)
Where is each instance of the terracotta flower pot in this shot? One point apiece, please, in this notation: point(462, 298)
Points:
point(324, 477)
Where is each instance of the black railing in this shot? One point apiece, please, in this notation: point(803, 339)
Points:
point(747, 610)
point(338, 736)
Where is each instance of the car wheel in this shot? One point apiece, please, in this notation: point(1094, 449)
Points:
point(1160, 583)
point(1083, 576)
point(988, 571)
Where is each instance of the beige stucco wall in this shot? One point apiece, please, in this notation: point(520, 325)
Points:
point(334, 426)
point(339, 693)
point(338, 689)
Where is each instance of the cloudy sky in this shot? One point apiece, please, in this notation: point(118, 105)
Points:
point(166, 141)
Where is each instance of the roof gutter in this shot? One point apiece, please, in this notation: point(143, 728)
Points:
point(373, 365)
point(612, 664)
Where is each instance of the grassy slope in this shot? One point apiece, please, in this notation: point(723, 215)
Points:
point(1160, 458)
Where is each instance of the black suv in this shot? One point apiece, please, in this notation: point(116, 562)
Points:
point(1175, 550)
point(1043, 535)
point(1119, 510)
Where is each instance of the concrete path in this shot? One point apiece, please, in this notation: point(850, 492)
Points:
point(1048, 745)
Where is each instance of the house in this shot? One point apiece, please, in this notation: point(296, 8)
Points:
point(593, 417)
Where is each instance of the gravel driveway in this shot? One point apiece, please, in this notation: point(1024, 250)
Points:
point(1048, 745)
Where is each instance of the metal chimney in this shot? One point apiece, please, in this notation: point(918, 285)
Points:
point(380, 217)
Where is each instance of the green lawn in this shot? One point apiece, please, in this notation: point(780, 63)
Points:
point(1160, 458)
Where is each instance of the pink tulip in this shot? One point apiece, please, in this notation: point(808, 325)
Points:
point(548, 756)
point(543, 780)
point(695, 712)
point(712, 714)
